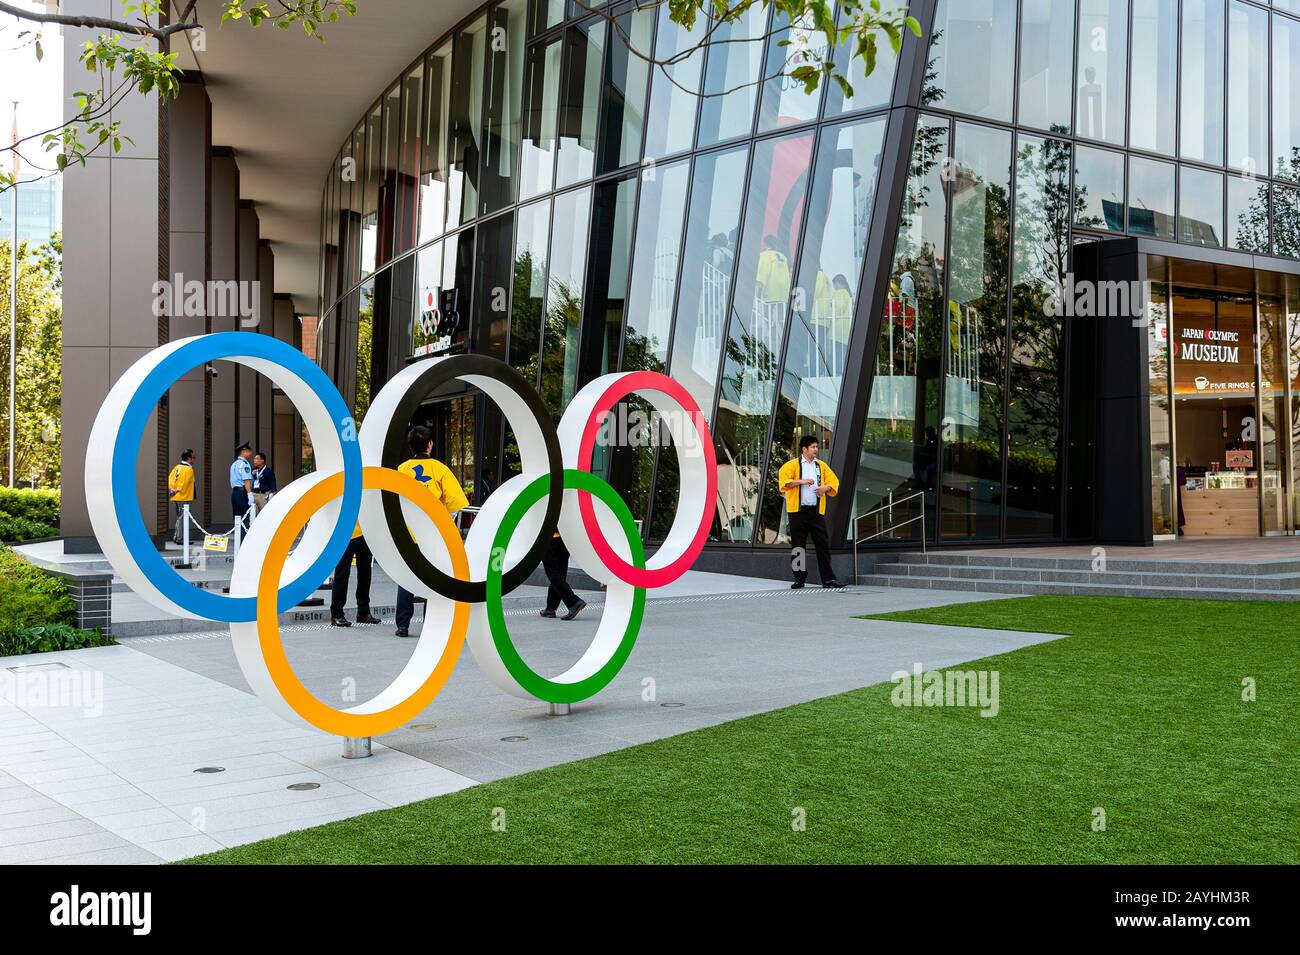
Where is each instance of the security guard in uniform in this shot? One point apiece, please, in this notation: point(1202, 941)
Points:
point(241, 481)
point(807, 482)
point(437, 477)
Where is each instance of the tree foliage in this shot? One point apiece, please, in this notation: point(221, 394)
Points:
point(134, 54)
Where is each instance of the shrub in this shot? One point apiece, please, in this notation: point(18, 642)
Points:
point(36, 613)
point(26, 514)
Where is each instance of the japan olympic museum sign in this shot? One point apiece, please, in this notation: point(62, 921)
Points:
point(409, 531)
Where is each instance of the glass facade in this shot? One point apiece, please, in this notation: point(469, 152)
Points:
point(766, 247)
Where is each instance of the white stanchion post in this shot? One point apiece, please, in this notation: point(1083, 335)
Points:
point(185, 534)
point(356, 747)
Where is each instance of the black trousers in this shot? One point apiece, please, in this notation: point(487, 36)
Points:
point(358, 548)
point(556, 564)
point(804, 523)
point(239, 502)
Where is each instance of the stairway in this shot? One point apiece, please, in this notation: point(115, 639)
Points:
point(996, 574)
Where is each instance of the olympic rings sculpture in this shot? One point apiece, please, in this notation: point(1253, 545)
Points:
point(409, 531)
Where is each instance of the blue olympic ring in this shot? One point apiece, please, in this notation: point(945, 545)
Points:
point(196, 353)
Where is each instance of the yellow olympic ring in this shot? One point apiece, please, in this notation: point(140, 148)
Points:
point(373, 717)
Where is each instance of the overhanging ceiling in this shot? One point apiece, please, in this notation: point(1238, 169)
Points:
point(284, 102)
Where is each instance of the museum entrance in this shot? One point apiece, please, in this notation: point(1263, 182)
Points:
point(1224, 345)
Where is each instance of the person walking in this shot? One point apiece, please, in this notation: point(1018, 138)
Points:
point(241, 482)
point(556, 564)
point(264, 483)
point(437, 477)
point(357, 548)
point(180, 491)
point(807, 482)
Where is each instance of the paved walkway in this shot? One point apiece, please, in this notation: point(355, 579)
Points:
point(111, 773)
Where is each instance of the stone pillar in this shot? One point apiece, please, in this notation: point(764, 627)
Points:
point(112, 260)
point(266, 325)
point(247, 263)
point(224, 265)
point(190, 176)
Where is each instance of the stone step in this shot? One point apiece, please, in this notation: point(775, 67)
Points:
point(1026, 588)
point(1109, 578)
point(1194, 567)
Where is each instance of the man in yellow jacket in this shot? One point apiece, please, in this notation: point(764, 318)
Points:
point(807, 482)
point(437, 477)
point(180, 490)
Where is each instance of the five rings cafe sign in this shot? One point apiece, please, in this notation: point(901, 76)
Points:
point(1214, 356)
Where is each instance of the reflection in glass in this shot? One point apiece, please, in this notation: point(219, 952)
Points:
point(1286, 97)
point(387, 181)
point(840, 205)
point(1272, 420)
point(1151, 197)
point(971, 491)
point(1200, 214)
point(870, 90)
point(1291, 293)
point(433, 162)
point(1037, 355)
point(408, 162)
point(774, 217)
point(1248, 88)
point(584, 57)
point(1154, 70)
point(505, 78)
point(607, 284)
point(1047, 63)
point(784, 100)
point(1286, 222)
point(1248, 215)
point(735, 61)
point(466, 120)
point(900, 441)
point(563, 312)
point(537, 163)
point(492, 285)
point(708, 259)
point(532, 238)
point(364, 330)
point(1099, 189)
point(374, 125)
point(972, 57)
point(661, 214)
point(1102, 73)
point(1162, 469)
point(627, 77)
point(670, 126)
point(1201, 108)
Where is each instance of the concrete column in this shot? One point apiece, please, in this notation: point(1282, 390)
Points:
point(189, 122)
point(246, 377)
point(224, 265)
point(112, 259)
point(285, 419)
point(266, 325)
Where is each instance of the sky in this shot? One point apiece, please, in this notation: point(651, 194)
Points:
point(38, 86)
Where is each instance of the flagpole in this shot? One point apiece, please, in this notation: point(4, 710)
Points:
point(13, 299)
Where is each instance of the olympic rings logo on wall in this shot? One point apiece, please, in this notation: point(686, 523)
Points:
point(410, 533)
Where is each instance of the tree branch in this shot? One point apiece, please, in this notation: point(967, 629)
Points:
point(104, 23)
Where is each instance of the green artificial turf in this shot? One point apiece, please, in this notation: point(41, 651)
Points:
point(1139, 712)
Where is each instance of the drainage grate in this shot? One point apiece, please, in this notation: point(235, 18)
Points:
point(302, 787)
point(671, 706)
point(38, 667)
point(423, 727)
point(514, 739)
point(211, 769)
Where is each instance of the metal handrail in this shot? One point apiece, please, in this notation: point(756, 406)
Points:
point(890, 527)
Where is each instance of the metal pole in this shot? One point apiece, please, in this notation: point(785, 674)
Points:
point(13, 306)
point(356, 747)
point(185, 534)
